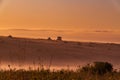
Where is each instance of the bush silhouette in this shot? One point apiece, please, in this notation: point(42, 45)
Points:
point(102, 67)
point(49, 38)
point(98, 68)
point(10, 36)
point(59, 38)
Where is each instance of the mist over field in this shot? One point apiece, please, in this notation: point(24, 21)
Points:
point(109, 36)
point(22, 52)
point(59, 39)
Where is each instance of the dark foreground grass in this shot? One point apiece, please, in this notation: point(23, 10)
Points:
point(55, 75)
point(87, 72)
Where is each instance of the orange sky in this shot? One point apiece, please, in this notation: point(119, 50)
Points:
point(80, 16)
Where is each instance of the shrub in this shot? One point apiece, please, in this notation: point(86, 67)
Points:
point(10, 36)
point(49, 38)
point(100, 68)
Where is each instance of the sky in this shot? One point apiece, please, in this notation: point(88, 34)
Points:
point(92, 20)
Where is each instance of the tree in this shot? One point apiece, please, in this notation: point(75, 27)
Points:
point(59, 38)
point(10, 36)
point(49, 38)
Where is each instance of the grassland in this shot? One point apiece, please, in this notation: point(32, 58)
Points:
point(21, 51)
point(46, 74)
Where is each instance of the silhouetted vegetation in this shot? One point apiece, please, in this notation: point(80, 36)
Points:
point(49, 38)
point(96, 71)
point(100, 68)
point(10, 36)
point(59, 38)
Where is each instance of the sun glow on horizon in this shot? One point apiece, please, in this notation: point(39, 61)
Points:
point(86, 19)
